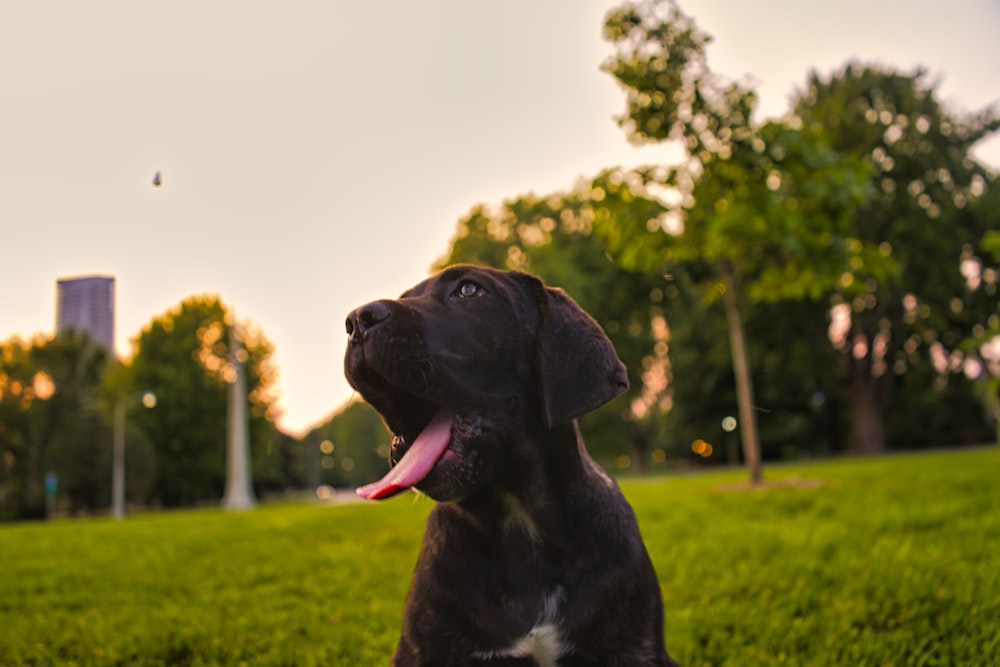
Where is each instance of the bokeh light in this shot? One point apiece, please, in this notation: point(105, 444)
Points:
point(702, 448)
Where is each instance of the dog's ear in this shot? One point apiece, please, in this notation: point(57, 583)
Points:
point(578, 368)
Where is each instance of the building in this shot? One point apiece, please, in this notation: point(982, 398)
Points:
point(87, 303)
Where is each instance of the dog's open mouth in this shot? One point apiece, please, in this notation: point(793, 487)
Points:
point(418, 461)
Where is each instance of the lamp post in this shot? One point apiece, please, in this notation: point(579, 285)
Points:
point(148, 399)
point(239, 483)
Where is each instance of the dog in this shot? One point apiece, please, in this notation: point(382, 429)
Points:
point(531, 555)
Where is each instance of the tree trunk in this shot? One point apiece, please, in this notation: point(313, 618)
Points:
point(744, 386)
point(32, 501)
point(996, 425)
point(37, 448)
point(640, 447)
point(867, 432)
point(991, 398)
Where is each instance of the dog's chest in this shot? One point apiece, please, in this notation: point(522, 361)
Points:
point(543, 643)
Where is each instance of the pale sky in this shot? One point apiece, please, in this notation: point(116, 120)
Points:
point(317, 155)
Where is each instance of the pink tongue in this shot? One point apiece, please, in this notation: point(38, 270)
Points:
point(418, 461)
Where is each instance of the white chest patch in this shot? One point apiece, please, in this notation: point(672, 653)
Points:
point(542, 643)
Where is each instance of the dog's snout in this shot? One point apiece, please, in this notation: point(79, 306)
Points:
point(366, 318)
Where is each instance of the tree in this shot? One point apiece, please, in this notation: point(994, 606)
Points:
point(183, 357)
point(756, 214)
point(349, 449)
point(49, 418)
point(21, 482)
point(921, 216)
point(981, 349)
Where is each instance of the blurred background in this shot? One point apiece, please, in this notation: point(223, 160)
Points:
point(785, 216)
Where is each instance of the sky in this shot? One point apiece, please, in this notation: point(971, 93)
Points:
point(318, 154)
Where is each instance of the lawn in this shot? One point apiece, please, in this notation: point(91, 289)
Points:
point(882, 561)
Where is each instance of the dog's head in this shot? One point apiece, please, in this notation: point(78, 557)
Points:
point(466, 362)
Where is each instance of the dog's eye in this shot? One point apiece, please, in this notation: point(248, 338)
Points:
point(468, 289)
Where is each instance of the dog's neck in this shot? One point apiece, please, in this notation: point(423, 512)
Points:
point(531, 507)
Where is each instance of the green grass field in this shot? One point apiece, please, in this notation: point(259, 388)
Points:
point(888, 561)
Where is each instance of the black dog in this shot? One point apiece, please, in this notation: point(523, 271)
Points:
point(533, 557)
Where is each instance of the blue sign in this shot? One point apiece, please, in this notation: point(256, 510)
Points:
point(51, 483)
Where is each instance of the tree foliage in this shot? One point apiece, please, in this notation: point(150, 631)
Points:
point(50, 421)
point(349, 449)
point(757, 213)
point(922, 216)
point(862, 201)
point(183, 356)
point(57, 397)
point(981, 349)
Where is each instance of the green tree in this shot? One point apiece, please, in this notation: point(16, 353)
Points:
point(183, 357)
point(757, 214)
point(925, 183)
point(21, 485)
point(981, 349)
point(349, 449)
point(50, 419)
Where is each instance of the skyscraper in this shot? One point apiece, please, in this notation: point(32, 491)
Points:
point(87, 304)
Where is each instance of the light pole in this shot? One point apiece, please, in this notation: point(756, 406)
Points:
point(148, 399)
point(239, 481)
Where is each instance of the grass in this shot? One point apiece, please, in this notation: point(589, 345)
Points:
point(888, 561)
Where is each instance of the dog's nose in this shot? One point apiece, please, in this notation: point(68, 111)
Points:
point(366, 318)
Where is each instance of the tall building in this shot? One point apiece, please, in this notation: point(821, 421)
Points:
point(87, 304)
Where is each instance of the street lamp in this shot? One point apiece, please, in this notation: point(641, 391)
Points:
point(148, 399)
